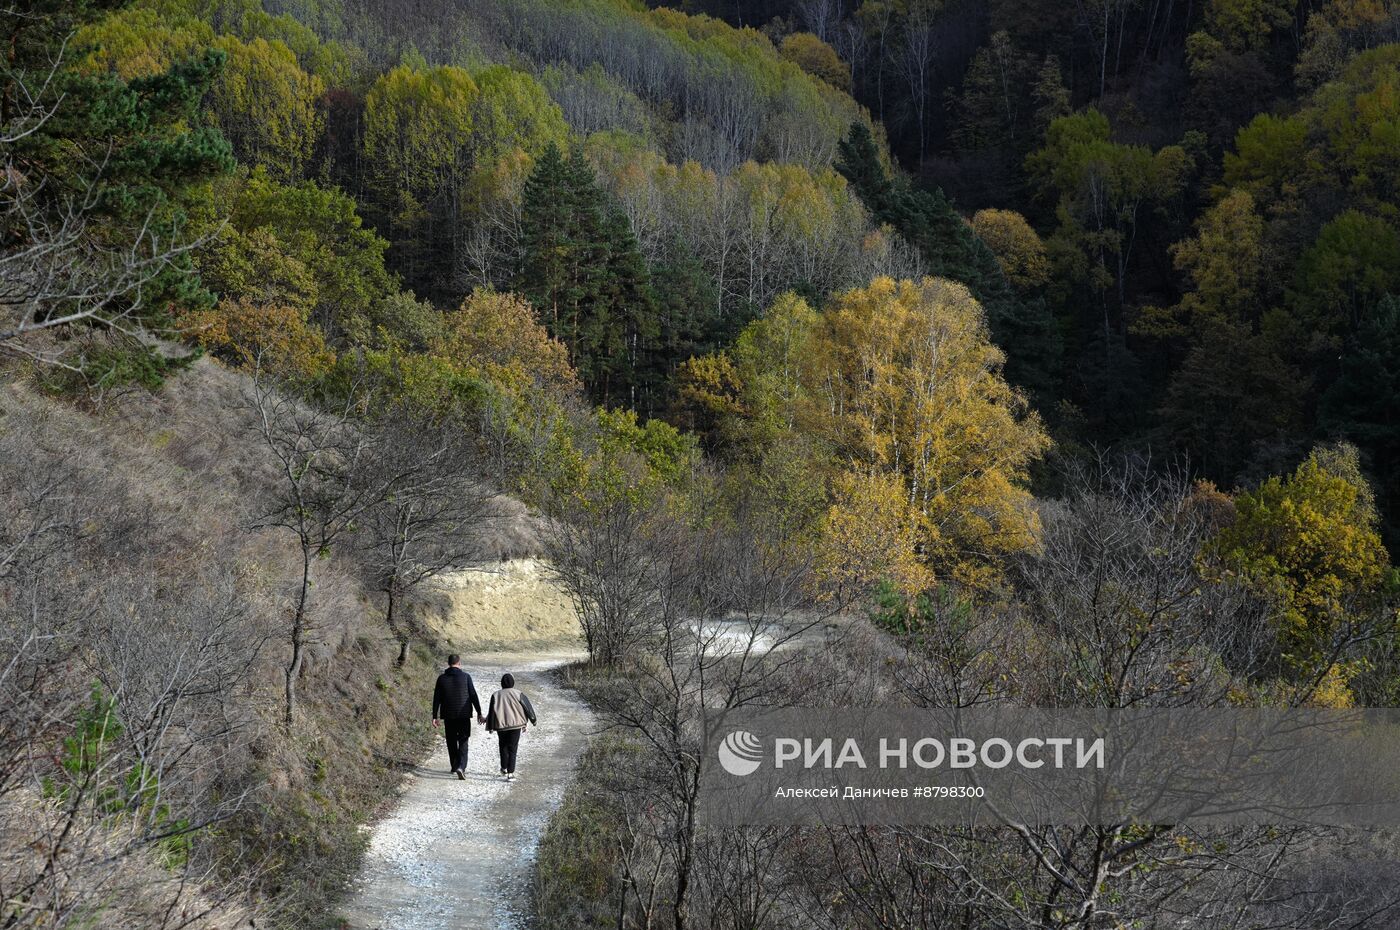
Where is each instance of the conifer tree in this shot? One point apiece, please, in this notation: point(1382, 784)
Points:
point(543, 271)
point(586, 278)
point(94, 176)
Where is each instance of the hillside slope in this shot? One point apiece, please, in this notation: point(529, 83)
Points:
point(128, 529)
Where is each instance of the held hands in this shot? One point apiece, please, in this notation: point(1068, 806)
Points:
point(481, 720)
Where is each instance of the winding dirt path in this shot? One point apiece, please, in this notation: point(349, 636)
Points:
point(458, 855)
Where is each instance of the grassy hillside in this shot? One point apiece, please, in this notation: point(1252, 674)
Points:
point(129, 537)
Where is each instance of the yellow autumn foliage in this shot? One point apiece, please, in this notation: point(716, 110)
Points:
point(1019, 249)
point(871, 534)
point(896, 392)
point(273, 337)
point(498, 334)
point(1310, 542)
point(907, 383)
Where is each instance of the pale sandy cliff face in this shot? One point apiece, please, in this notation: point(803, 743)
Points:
point(512, 603)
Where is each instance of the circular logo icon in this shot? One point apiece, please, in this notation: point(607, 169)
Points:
point(740, 753)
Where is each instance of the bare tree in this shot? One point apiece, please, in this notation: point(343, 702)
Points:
point(821, 17)
point(1115, 612)
point(913, 58)
point(1078, 876)
point(606, 555)
point(1117, 582)
point(726, 598)
point(60, 273)
point(853, 45)
point(433, 519)
point(114, 725)
point(114, 720)
point(328, 475)
point(1105, 21)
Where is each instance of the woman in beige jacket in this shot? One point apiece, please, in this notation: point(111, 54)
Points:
point(509, 714)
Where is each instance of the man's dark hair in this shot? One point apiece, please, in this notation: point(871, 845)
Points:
point(453, 659)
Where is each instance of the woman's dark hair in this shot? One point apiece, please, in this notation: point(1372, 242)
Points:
point(507, 680)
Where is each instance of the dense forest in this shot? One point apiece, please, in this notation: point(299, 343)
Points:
point(1178, 217)
point(1181, 222)
point(1052, 346)
point(1200, 194)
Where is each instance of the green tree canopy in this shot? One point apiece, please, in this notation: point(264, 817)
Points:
point(267, 105)
point(98, 174)
point(512, 111)
point(583, 273)
point(1352, 265)
point(1310, 540)
point(305, 246)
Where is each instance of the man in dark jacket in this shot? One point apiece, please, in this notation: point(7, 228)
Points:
point(454, 696)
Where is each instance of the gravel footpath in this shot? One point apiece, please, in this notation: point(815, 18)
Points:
point(457, 855)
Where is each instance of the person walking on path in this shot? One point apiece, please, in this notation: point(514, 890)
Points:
point(454, 697)
point(509, 713)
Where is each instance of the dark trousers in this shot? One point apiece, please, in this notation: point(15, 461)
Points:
point(457, 732)
point(510, 742)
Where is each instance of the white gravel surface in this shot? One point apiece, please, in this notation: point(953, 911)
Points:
point(458, 855)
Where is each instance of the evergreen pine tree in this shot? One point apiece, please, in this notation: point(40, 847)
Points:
point(544, 267)
point(627, 293)
point(687, 322)
point(110, 163)
point(587, 279)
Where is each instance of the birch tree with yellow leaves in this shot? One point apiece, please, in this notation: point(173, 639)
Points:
point(909, 385)
point(898, 393)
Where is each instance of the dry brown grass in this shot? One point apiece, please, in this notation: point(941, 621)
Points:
point(98, 884)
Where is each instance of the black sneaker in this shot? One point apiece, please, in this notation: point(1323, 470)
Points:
point(461, 775)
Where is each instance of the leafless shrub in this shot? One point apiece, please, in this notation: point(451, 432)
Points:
point(122, 690)
point(606, 555)
point(725, 606)
point(99, 881)
point(1117, 586)
point(745, 878)
point(955, 650)
point(134, 600)
point(1111, 610)
point(327, 478)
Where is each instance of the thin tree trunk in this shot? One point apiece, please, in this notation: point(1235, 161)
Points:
point(399, 634)
point(681, 910)
point(298, 624)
